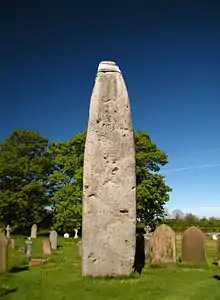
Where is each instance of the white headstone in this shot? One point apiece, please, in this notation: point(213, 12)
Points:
point(66, 235)
point(53, 240)
point(34, 231)
point(8, 232)
point(76, 234)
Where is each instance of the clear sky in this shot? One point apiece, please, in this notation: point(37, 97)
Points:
point(169, 53)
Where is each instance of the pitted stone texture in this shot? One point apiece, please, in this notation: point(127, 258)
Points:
point(109, 183)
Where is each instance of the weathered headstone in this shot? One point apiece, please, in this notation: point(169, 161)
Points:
point(28, 248)
point(66, 235)
point(34, 231)
point(109, 183)
point(53, 240)
point(11, 244)
point(163, 245)
point(46, 247)
point(3, 252)
point(193, 246)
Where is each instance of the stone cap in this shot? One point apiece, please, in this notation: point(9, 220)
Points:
point(108, 66)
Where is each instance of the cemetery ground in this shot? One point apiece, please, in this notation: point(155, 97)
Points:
point(60, 278)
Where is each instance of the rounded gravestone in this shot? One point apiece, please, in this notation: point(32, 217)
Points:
point(193, 246)
point(163, 245)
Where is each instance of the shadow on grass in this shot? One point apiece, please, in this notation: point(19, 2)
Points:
point(139, 259)
point(5, 291)
point(114, 278)
point(216, 277)
point(18, 269)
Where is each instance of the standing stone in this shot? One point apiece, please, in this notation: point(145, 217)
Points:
point(163, 245)
point(193, 246)
point(46, 247)
point(3, 252)
point(53, 240)
point(34, 231)
point(109, 183)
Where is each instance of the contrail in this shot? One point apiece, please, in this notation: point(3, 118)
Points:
point(191, 168)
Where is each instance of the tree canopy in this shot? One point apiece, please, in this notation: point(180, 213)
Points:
point(24, 167)
point(36, 174)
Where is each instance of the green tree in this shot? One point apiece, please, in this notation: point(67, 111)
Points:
point(66, 180)
point(66, 183)
point(152, 191)
point(24, 166)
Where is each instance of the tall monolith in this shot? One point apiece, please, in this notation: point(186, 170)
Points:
point(109, 183)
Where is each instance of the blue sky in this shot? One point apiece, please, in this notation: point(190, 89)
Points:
point(169, 55)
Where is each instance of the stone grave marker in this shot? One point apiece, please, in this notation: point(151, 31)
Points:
point(3, 252)
point(193, 246)
point(46, 247)
point(28, 248)
point(11, 244)
point(53, 240)
point(8, 229)
point(163, 245)
point(76, 234)
point(34, 231)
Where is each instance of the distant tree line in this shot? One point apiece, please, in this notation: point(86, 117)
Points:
point(41, 181)
point(205, 224)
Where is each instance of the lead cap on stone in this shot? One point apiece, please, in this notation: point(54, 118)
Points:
point(108, 66)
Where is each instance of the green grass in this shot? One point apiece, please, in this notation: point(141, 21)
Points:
point(61, 279)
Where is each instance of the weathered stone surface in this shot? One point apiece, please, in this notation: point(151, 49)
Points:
point(163, 245)
point(193, 246)
point(109, 183)
point(3, 252)
point(34, 231)
point(11, 244)
point(46, 247)
point(53, 240)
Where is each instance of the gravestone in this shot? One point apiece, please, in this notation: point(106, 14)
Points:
point(193, 246)
point(11, 244)
point(109, 182)
point(76, 234)
point(163, 245)
point(46, 247)
point(66, 235)
point(3, 252)
point(28, 248)
point(34, 231)
point(53, 240)
point(8, 229)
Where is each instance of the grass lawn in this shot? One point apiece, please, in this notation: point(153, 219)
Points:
point(61, 279)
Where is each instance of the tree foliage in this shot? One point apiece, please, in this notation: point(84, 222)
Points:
point(66, 183)
point(24, 166)
point(34, 175)
point(152, 192)
point(205, 224)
